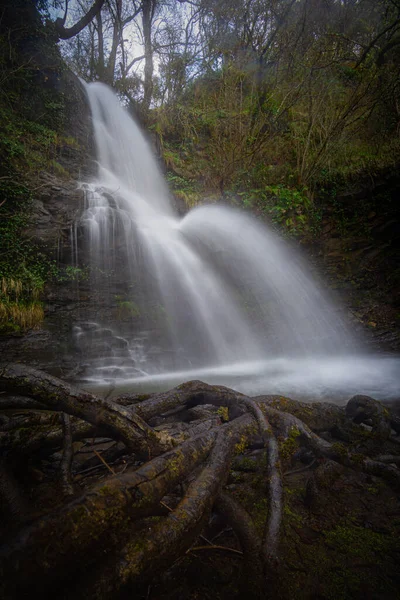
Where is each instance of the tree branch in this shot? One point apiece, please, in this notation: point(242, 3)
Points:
point(67, 33)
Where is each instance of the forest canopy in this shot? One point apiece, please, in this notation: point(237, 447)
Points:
point(297, 92)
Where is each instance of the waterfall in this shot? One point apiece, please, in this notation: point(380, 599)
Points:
point(210, 293)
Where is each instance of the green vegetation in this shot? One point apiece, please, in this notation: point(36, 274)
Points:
point(126, 309)
point(31, 138)
point(19, 306)
point(274, 106)
point(289, 446)
point(25, 149)
point(242, 445)
point(188, 191)
point(288, 207)
point(277, 161)
point(361, 547)
point(223, 413)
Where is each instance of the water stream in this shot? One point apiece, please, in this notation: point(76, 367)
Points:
point(215, 295)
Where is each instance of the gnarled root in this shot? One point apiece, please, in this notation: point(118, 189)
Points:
point(171, 455)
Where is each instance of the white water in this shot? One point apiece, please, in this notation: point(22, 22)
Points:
point(214, 295)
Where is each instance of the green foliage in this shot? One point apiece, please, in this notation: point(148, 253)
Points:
point(219, 127)
point(20, 258)
point(24, 266)
point(68, 273)
point(27, 147)
point(278, 137)
point(184, 189)
point(289, 207)
point(126, 309)
point(176, 182)
point(31, 122)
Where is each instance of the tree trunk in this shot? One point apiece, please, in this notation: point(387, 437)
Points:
point(148, 10)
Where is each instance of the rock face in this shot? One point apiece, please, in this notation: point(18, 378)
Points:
point(59, 201)
point(359, 250)
point(55, 213)
point(55, 98)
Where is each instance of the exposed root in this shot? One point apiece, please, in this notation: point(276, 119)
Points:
point(58, 395)
point(169, 456)
point(336, 451)
point(29, 434)
point(13, 505)
point(66, 460)
point(301, 470)
point(77, 534)
point(213, 547)
point(171, 537)
point(241, 523)
point(19, 403)
point(275, 494)
point(363, 409)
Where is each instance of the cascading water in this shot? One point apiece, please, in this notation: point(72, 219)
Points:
point(214, 295)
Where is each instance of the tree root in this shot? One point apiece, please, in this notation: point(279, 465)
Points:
point(240, 521)
point(148, 516)
point(58, 395)
point(13, 505)
point(66, 460)
point(336, 451)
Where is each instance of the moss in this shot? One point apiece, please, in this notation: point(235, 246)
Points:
point(223, 412)
point(59, 169)
point(340, 450)
point(357, 459)
point(241, 446)
point(174, 465)
point(288, 447)
point(108, 509)
point(236, 477)
point(357, 546)
point(345, 561)
point(259, 513)
point(247, 463)
point(126, 309)
point(291, 516)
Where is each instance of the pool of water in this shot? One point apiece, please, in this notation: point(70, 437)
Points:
point(311, 379)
